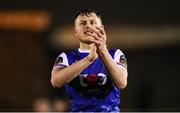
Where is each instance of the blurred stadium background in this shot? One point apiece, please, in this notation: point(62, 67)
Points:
point(34, 32)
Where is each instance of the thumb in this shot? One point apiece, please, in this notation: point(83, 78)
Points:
point(93, 48)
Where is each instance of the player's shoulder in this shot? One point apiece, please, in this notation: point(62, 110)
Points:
point(66, 58)
point(68, 53)
point(112, 51)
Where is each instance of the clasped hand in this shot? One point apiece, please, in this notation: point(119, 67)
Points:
point(98, 42)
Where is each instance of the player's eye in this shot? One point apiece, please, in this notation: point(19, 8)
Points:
point(82, 23)
point(93, 22)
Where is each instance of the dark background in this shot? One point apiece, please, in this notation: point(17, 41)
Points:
point(27, 56)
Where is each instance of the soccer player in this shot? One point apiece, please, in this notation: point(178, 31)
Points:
point(92, 74)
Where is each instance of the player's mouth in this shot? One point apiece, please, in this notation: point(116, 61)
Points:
point(88, 32)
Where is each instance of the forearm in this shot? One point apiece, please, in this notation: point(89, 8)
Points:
point(117, 74)
point(65, 75)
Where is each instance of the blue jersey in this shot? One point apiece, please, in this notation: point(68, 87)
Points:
point(93, 89)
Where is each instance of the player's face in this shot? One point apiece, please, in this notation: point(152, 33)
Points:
point(83, 24)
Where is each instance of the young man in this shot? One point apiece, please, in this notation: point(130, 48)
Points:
point(93, 75)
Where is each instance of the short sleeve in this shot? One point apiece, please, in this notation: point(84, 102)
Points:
point(61, 61)
point(120, 59)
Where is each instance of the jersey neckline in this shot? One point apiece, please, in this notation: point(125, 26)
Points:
point(83, 51)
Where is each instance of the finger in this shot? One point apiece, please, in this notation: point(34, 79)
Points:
point(97, 32)
point(95, 36)
point(91, 40)
point(101, 29)
point(93, 47)
point(96, 42)
point(93, 52)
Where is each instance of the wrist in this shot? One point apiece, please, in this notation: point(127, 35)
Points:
point(88, 60)
point(103, 52)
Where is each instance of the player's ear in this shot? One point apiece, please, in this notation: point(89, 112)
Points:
point(75, 30)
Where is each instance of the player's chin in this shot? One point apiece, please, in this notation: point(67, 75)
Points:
point(88, 40)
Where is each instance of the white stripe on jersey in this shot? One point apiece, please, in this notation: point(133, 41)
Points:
point(117, 55)
point(64, 62)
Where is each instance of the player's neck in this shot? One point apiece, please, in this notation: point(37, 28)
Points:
point(84, 46)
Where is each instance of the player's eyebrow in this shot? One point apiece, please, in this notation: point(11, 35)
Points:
point(83, 20)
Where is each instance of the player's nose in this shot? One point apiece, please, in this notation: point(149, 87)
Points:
point(88, 25)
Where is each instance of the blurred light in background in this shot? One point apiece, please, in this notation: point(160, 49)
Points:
point(33, 20)
point(63, 37)
point(124, 36)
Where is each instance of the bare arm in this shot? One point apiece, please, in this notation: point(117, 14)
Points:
point(119, 75)
point(61, 76)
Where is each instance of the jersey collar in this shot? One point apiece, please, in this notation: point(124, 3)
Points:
point(83, 51)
